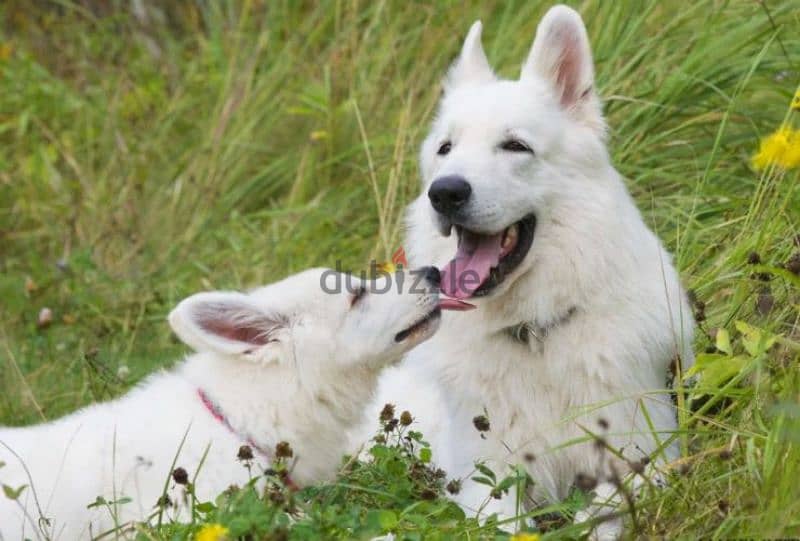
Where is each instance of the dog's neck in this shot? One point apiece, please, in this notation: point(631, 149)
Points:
point(526, 331)
point(270, 404)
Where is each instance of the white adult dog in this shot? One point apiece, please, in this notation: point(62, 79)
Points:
point(295, 361)
point(580, 311)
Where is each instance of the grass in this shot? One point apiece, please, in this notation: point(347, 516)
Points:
point(147, 155)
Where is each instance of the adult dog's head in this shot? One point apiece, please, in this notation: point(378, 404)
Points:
point(505, 160)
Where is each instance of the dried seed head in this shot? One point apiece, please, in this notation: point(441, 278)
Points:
point(529, 457)
point(753, 258)
point(761, 276)
point(164, 501)
point(793, 264)
point(380, 438)
point(765, 302)
point(636, 466)
point(390, 425)
point(725, 454)
point(180, 476)
point(585, 482)
point(428, 494)
point(245, 453)
point(405, 418)
point(684, 468)
point(454, 487)
point(481, 423)
point(387, 413)
point(645, 460)
point(602, 423)
point(283, 450)
point(723, 506)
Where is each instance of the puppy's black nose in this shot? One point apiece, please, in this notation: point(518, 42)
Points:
point(432, 275)
point(449, 194)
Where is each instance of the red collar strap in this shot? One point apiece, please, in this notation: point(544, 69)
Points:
point(216, 412)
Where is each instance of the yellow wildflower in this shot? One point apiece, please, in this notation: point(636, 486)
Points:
point(796, 101)
point(782, 148)
point(386, 266)
point(525, 537)
point(398, 260)
point(212, 532)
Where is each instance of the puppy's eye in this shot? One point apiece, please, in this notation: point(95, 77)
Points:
point(357, 296)
point(515, 145)
point(444, 148)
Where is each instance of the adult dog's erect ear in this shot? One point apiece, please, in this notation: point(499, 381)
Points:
point(230, 323)
point(562, 56)
point(471, 66)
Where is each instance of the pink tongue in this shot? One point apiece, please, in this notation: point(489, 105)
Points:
point(476, 256)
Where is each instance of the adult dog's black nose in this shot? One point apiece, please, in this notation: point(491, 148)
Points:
point(449, 194)
point(432, 275)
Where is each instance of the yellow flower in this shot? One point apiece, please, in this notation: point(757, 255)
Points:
point(782, 148)
point(212, 532)
point(387, 267)
point(796, 101)
point(525, 537)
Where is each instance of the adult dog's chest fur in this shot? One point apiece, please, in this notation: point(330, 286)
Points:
point(540, 396)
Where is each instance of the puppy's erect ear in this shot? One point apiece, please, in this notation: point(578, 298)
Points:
point(562, 56)
point(229, 324)
point(471, 66)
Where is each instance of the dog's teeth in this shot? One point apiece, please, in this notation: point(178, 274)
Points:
point(510, 238)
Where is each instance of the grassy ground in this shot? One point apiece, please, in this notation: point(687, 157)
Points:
point(146, 155)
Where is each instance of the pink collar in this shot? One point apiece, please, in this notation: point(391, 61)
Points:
point(216, 412)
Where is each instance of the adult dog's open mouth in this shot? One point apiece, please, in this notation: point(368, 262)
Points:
point(423, 326)
point(483, 261)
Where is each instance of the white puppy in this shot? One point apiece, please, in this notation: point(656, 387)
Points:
point(295, 361)
point(580, 311)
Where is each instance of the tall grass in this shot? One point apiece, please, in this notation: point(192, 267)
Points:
point(149, 153)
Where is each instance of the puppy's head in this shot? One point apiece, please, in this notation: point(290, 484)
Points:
point(503, 154)
point(317, 320)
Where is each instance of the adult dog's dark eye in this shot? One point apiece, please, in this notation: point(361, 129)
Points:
point(515, 145)
point(444, 148)
point(358, 295)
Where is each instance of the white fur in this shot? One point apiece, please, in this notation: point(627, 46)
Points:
point(302, 373)
point(592, 252)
